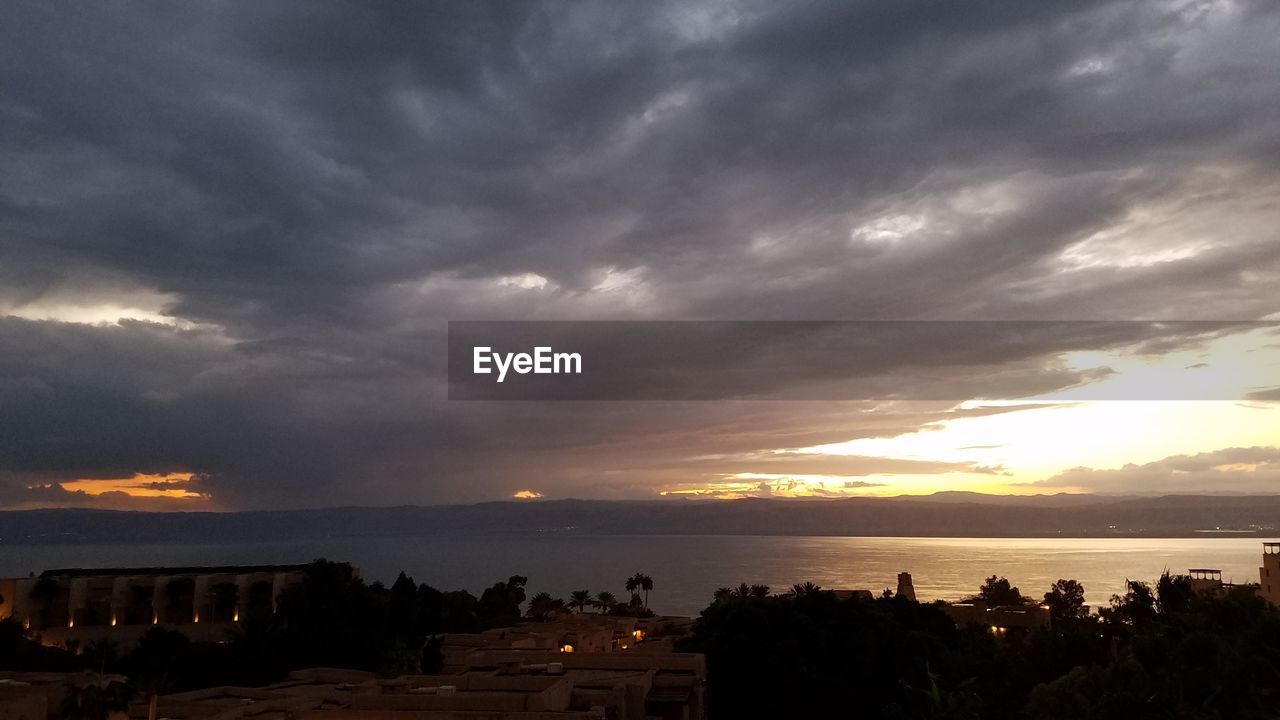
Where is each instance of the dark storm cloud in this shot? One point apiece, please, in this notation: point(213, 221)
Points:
point(310, 190)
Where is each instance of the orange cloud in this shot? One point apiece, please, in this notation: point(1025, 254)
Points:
point(168, 485)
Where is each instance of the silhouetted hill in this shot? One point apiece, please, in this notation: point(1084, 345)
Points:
point(959, 515)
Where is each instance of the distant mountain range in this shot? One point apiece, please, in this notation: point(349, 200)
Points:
point(941, 515)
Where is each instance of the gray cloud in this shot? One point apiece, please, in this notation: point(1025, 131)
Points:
point(309, 191)
point(1230, 470)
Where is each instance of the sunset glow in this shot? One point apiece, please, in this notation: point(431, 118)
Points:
point(169, 485)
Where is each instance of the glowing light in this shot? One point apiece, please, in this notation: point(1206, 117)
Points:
point(566, 648)
point(168, 485)
point(526, 495)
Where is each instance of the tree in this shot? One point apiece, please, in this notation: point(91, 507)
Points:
point(1066, 601)
point(542, 606)
point(96, 698)
point(500, 603)
point(803, 589)
point(1174, 593)
point(997, 591)
point(640, 582)
point(580, 599)
point(779, 657)
point(605, 601)
point(1135, 607)
point(722, 595)
point(747, 592)
point(101, 654)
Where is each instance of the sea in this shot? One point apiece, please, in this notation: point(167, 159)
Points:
point(687, 569)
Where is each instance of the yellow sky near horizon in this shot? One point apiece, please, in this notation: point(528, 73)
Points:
point(1012, 450)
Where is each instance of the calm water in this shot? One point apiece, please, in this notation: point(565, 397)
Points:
point(687, 569)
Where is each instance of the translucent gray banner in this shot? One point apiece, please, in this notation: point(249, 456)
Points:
point(863, 360)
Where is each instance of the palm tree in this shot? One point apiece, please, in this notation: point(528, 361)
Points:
point(722, 595)
point(605, 601)
point(642, 582)
point(802, 589)
point(580, 599)
point(96, 697)
point(760, 591)
point(101, 654)
point(743, 591)
point(542, 606)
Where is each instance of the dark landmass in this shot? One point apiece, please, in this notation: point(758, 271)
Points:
point(946, 515)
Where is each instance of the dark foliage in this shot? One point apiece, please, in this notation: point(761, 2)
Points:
point(1159, 651)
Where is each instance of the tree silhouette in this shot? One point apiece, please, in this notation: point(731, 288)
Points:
point(580, 599)
point(605, 601)
point(1174, 593)
point(96, 698)
point(1135, 607)
point(543, 607)
point(803, 589)
point(1066, 601)
point(101, 654)
point(997, 591)
point(640, 582)
point(500, 604)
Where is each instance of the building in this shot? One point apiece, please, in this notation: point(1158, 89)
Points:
point(1000, 620)
point(1207, 581)
point(508, 684)
point(1269, 573)
point(74, 606)
point(21, 701)
point(570, 633)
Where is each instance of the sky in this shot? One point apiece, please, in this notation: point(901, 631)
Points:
point(232, 234)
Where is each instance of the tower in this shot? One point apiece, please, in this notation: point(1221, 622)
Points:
point(908, 591)
point(1269, 573)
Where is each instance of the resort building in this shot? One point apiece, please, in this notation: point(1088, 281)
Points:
point(503, 685)
point(1000, 620)
point(74, 606)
